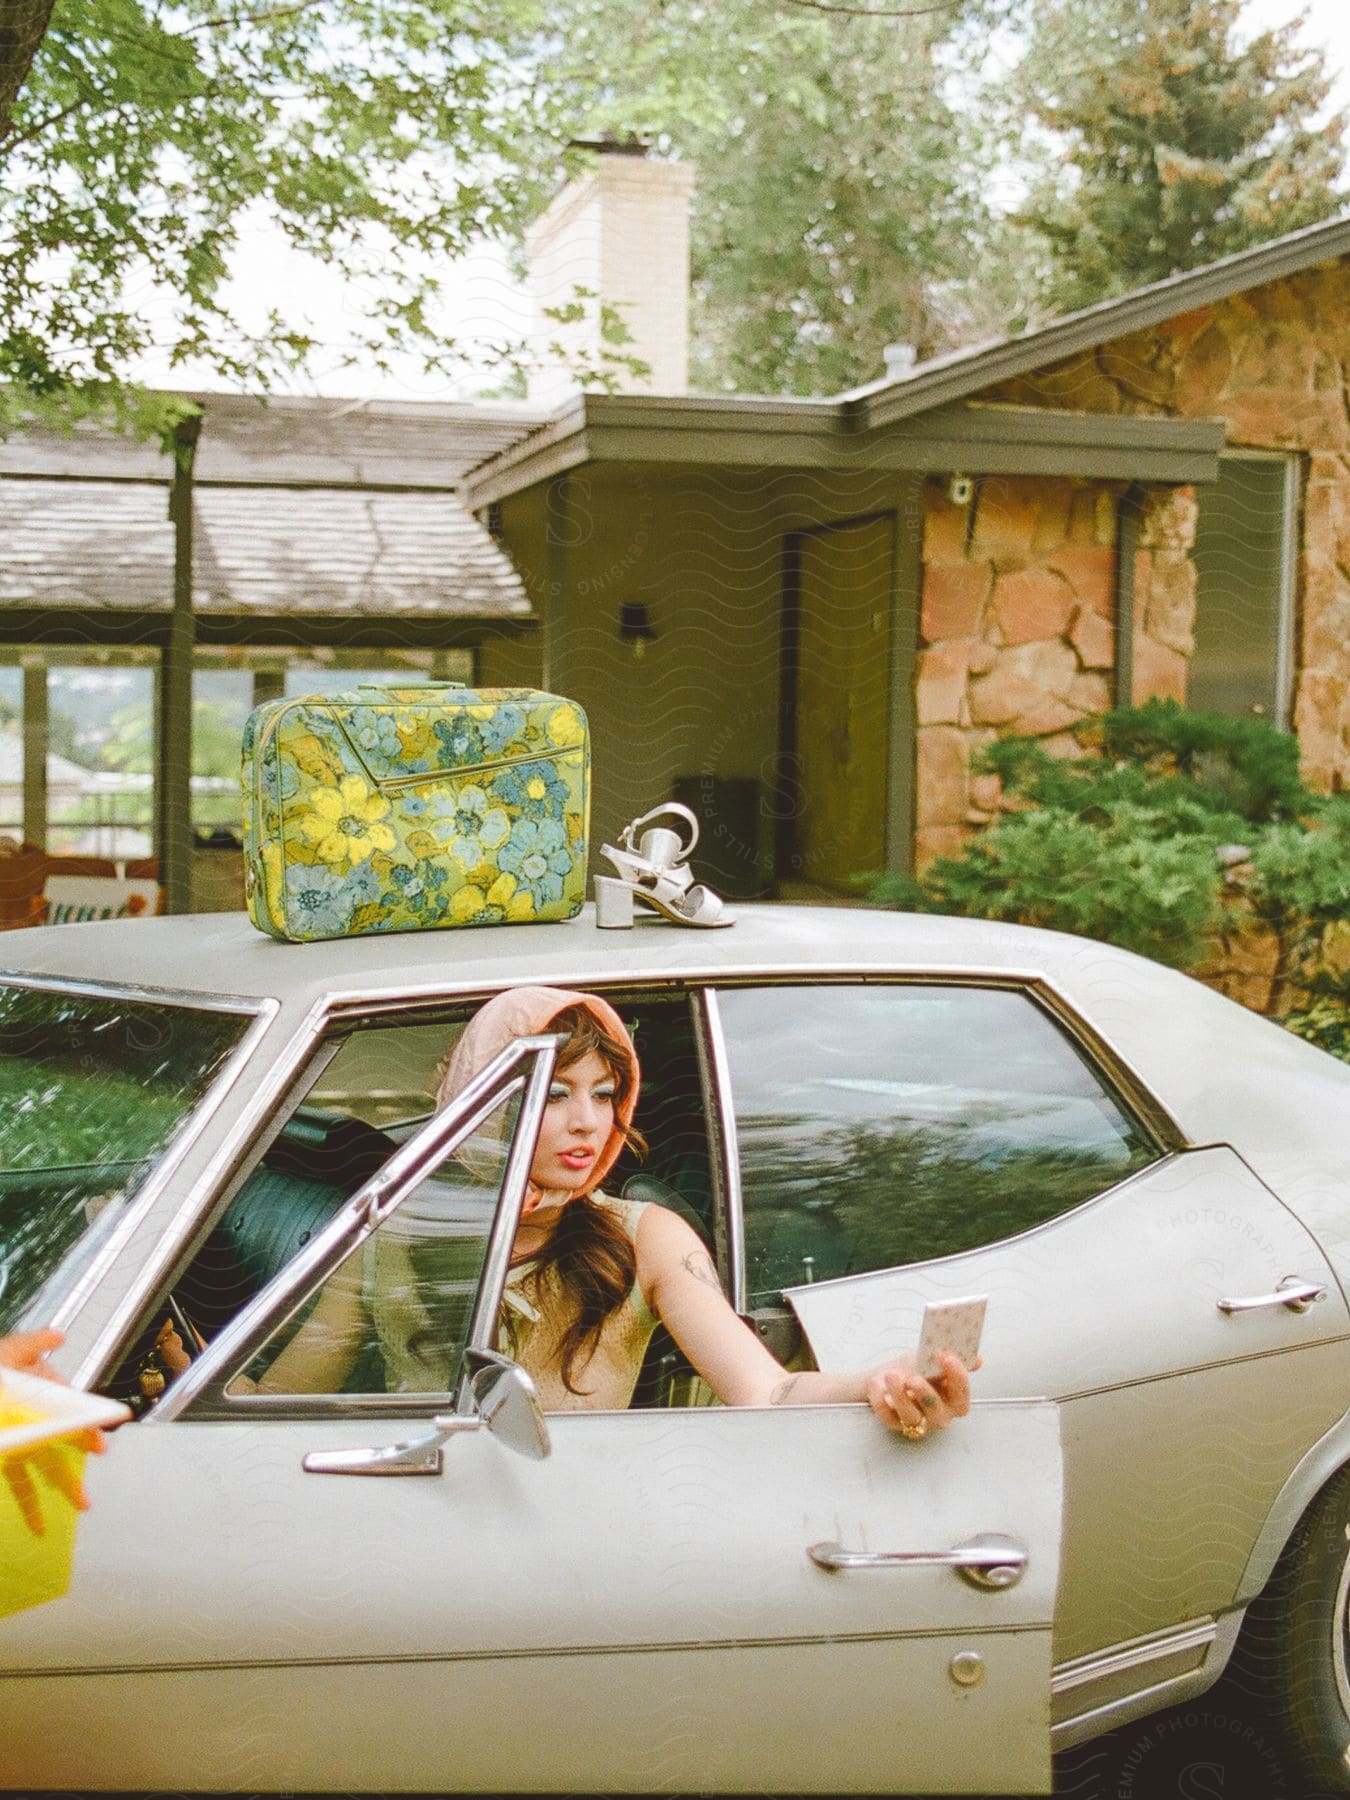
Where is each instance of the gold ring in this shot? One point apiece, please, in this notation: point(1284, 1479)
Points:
point(915, 1431)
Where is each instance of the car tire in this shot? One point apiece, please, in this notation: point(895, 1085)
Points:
point(1293, 1660)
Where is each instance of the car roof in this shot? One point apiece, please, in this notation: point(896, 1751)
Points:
point(222, 954)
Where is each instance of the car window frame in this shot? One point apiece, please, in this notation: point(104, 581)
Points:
point(201, 1393)
point(288, 1080)
point(319, 1042)
point(260, 1014)
point(329, 1025)
point(1108, 1066)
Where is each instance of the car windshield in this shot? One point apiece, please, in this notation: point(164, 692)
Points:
point(93, 1090)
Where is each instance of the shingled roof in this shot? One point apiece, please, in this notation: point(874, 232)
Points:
point(300, 507)
point(256, 550)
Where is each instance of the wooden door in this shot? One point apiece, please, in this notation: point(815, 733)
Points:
point(842, 700)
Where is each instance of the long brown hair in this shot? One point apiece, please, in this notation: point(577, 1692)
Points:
point(591, 1253)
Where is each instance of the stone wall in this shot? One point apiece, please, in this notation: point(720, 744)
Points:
point(1275, 363)
point(1164, 594)
point(1016, 634)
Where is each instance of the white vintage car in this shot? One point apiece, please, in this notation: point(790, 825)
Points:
point(442, 1591)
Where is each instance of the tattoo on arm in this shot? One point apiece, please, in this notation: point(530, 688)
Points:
point(700, 1265)
point(782, 1393)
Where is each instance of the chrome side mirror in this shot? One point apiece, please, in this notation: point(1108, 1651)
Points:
point(508, 1404)
point(505, 1401)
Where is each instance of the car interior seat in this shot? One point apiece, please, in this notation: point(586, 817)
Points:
point(315, 1164)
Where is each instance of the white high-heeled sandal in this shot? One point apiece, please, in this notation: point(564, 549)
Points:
point(654, 869)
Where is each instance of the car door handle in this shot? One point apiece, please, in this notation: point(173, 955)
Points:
point(1293, 1292)
point(988, 1560)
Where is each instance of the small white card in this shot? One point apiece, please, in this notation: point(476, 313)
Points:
point(953, 1325)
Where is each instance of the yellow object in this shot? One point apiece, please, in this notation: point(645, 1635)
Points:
point(408, 808)
point(36, 1566)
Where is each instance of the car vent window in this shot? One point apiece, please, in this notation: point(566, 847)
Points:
point(393, 1316)
point(885, 1125)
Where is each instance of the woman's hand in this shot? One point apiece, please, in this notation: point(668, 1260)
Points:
point(905, 1402)
point(27, 1351)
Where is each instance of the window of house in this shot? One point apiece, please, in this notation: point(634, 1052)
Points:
point(1242, 662)
point(884, 1125)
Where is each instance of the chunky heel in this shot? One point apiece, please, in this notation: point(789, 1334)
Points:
point(654, 869)
point(613, 904)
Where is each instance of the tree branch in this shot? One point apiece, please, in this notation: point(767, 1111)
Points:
point(255, 18)
point(23, 25)
point(13, 139)
point(877, 12)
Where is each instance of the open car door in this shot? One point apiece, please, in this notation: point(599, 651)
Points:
point(782, 1599)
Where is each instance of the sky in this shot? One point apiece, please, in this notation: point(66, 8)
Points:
point(483, 300)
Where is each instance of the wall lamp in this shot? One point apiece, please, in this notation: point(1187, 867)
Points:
point(635, 625)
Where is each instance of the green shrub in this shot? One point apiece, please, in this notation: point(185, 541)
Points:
point(1325, 1018)
point(1182, 828)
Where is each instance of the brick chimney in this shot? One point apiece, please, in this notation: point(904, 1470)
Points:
point(621, 230)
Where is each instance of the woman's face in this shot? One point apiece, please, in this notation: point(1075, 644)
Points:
point(578, 1119)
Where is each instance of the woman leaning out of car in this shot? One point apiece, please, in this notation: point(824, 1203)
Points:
point(591, 1275)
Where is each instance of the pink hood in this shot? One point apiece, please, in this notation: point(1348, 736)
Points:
point(523, 1012)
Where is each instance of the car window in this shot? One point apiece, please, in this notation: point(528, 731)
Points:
point(385, 1076)
point(373, 1088)
point(393, 1317)
point(889, 1124)
point(93, 1089)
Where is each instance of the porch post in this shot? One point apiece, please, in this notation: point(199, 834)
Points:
point(557, 539)
point(907, 601)
point(1128, 509)
point(173, 749)
point(36, 733)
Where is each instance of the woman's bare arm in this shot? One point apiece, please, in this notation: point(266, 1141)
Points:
point(677, 1276)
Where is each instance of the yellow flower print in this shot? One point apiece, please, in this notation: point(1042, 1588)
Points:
point(274, 883)
point(345, 823)
point(499, 894)
point(482, 712)
point(535, 788)
point(310, 756)
point(414, 733)
point(564, 725)
point(467, 904)
point(516, 902)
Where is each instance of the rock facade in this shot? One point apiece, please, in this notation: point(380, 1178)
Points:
point(1016, 633)
point(1275, 363)
point(1017, 629)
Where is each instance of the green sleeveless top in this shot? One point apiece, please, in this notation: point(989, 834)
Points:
point(420, 1318)
point(533, 1322)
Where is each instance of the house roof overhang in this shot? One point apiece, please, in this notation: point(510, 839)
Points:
point(685, 433)
point(930, 418)
point(947, 379)
point(337, 521)
point(268, 565)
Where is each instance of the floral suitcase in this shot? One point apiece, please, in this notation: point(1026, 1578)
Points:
point(406, 808)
